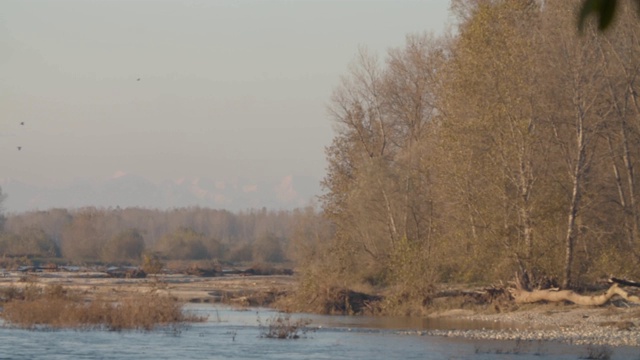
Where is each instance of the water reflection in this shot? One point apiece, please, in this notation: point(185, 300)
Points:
point(411, 323)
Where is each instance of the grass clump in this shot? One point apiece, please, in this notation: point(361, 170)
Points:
point(598, 353)
point(55, 307)
point(283, 327)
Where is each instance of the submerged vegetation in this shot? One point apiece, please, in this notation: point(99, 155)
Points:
point(282, 326)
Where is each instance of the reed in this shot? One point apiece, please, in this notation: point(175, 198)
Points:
point(56, 307)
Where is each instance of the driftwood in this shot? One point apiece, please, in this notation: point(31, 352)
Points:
point(624, 282)
point(522, 295)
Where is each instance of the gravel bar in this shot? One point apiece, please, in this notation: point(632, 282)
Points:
point(612, 326)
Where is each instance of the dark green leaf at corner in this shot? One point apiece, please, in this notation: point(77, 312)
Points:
point(603, 9)
point(607, 12)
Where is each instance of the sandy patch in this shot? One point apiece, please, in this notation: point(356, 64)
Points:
point(230, 288)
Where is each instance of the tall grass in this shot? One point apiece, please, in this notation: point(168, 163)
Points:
point(56, 307)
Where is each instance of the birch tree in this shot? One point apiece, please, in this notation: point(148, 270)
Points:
point(495, 130)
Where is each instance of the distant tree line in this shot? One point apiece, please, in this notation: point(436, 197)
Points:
point(120, 236)
point(510, 145)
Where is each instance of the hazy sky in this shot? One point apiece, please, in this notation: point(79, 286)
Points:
point(228, 89)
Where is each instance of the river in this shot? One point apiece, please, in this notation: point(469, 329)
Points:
point(237, 334)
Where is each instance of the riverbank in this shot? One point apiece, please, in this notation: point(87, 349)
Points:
point(233, 289)
point(616, 324)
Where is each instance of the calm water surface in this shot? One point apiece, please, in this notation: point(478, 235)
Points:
point(231, 334)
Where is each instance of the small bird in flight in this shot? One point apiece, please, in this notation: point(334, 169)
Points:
point(138, 79)
point(22, 123)
point(19, 148)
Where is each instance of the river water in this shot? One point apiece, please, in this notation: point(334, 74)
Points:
point(237, 334)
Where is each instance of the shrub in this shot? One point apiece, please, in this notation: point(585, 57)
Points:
point(283, 327)
point(151, 264)
point(56, 307)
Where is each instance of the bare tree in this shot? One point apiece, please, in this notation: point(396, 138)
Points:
point(3, 219)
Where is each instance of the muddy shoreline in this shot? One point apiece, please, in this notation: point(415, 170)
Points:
point(616, 324)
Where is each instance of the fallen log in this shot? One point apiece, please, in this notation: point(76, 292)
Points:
point(522, 296)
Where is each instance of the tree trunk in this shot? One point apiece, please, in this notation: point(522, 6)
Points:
point(574, 205)
point(577, 175)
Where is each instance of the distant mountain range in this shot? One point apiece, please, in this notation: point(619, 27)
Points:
point(128, 190)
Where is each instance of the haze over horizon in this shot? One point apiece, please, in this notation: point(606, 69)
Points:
point(180, 103)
